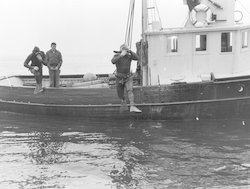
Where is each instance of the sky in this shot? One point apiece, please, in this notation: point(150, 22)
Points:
point(79, 26)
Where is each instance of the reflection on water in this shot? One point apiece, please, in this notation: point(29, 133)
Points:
point(45, 152)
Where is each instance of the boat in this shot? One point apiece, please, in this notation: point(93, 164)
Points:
point(198, 71)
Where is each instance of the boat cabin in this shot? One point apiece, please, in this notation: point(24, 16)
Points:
point(211, 43)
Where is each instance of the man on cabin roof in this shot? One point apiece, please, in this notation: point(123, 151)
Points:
point(124, 79)
point(192, 3)
point(37, 59)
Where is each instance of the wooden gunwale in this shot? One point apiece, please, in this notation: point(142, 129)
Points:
point(206, 109)
point(118, 105)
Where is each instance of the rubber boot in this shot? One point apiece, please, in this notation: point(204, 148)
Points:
point(123, 106)
point(132, 104)
point(36, 89)
point(40, 89)
point(134, 109)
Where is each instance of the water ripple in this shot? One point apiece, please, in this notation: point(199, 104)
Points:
point(47, 152)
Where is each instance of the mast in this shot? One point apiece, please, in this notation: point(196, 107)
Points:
point(144, 41)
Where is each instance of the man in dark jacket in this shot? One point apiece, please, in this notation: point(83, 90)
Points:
point(36, 58)
point(124, 78)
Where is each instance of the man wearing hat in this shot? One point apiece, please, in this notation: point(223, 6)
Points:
point(37, 59)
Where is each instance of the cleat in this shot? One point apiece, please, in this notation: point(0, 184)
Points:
point(134, 109)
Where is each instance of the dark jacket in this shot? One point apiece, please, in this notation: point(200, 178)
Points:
point(34, 60)
point(123, 64)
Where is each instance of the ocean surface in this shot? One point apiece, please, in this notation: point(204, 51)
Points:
point(47, 152)
point(38, 152)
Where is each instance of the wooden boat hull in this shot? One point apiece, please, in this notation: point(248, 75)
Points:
point(217, 109)
point(221, 99)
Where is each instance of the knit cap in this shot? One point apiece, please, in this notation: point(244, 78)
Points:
point(36, 49)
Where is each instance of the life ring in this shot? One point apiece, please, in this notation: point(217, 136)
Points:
point(198, 8)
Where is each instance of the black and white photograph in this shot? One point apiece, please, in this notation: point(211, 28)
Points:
point(125, 94)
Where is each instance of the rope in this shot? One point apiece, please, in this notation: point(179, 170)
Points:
point(129, 29)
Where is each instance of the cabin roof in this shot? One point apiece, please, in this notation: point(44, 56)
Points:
point(181, 30)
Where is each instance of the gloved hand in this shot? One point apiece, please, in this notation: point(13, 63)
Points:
point(123, 53)
point(35, 68)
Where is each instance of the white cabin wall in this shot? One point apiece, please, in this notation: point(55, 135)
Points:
point(219, 62)
point(201, 64)
point(212, 60)
point(185, 52)
point(237, 50)
point(243, 55)
point(244, 61)
point(187, 62)
point(164, 67)
point(208, 61)
point(161, 64)
point(156, 58)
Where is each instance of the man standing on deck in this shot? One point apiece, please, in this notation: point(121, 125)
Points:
point(37, 58)
point(54, 63)
point(124, 78)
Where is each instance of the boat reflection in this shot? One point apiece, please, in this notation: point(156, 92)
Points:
point(44, 148)
point(53, 150)
point(40, 152)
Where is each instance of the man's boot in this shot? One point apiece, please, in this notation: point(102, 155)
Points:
point(40, 89)
point(134, 109)
point(36, 89)
point(132, 104)
point(123, 106)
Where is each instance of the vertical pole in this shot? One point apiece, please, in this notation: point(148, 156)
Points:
point(144, 28)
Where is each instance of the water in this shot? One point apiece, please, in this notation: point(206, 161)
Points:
point(72, 64)
point(48, 152)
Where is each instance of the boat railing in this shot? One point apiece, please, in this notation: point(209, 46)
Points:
point(72, 82)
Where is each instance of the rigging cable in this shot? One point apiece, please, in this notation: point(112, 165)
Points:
point(158, 13)
point(243, 6)
point(131, 25)
point(153, 11)
point(129, 29)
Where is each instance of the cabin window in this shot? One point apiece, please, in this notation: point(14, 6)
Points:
point(227, 42)
point(244, 39)
point(201, 42)
point(172, 44)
